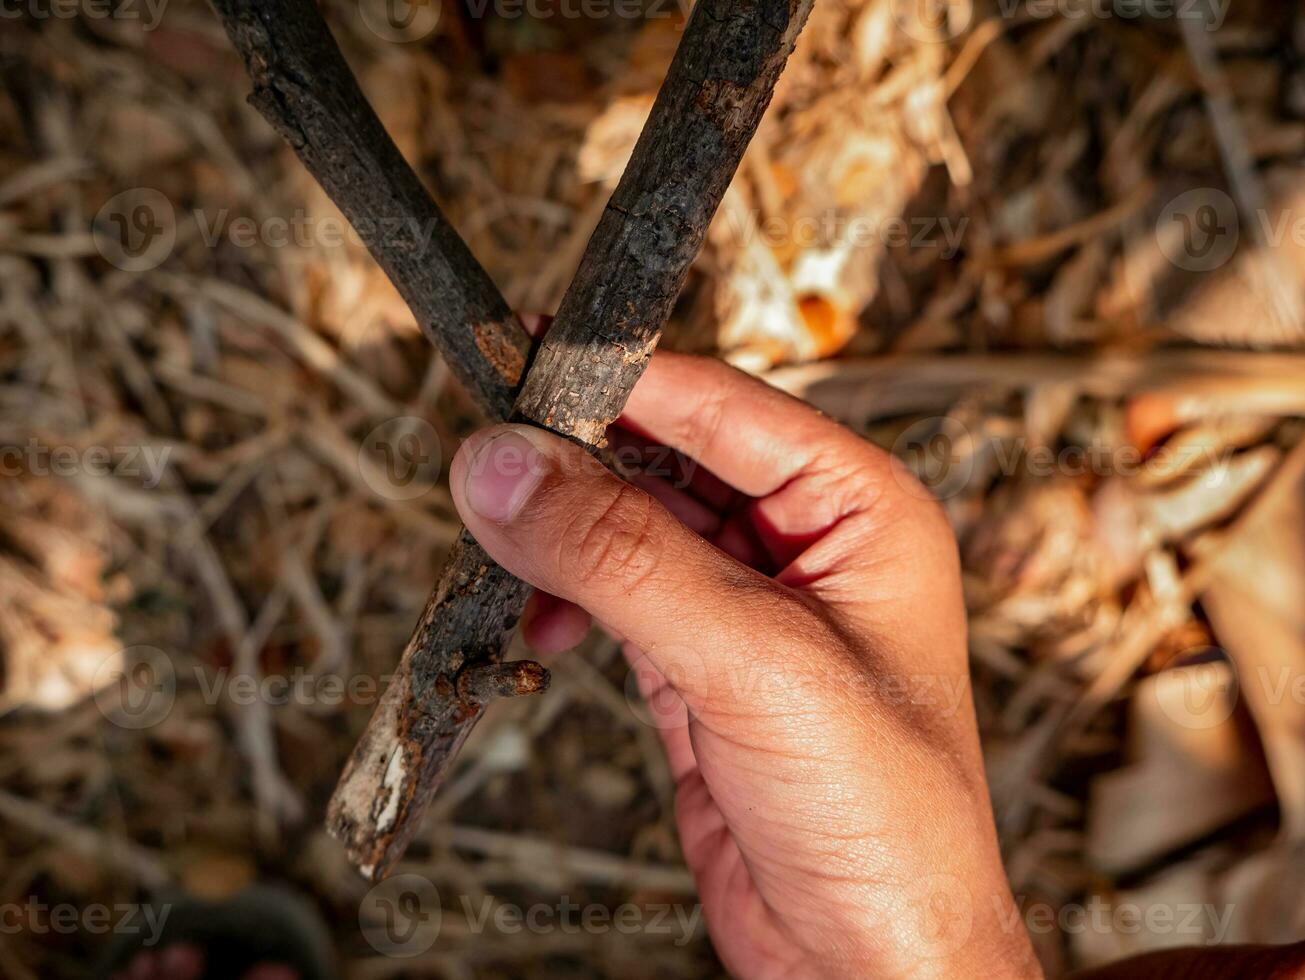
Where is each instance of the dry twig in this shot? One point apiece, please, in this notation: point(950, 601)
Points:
point(714, 95)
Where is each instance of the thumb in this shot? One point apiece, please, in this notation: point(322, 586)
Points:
point(551, 514)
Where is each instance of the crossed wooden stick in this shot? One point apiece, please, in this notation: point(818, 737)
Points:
point(574, 382)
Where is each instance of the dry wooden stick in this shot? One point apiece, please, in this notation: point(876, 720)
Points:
point(304, 88)
point(716, 91)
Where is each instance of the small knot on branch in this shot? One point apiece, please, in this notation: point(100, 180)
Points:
point(485, 682)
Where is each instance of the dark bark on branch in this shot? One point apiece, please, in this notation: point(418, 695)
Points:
point(715, 93)
point(304, 88)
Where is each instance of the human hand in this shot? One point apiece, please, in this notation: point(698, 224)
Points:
point(801, 604)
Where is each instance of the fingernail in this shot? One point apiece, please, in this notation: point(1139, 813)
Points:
point(503, 474)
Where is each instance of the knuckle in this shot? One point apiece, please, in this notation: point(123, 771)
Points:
point(898, 491)
point(700, 430)
point(610, 546)
point(875, 489)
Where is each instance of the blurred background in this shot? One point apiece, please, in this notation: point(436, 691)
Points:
point(1050, 252)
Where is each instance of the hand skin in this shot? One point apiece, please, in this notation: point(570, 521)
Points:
point(837, 824)
point(794, 617)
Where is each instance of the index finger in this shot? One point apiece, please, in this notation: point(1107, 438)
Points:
point(751, 435)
